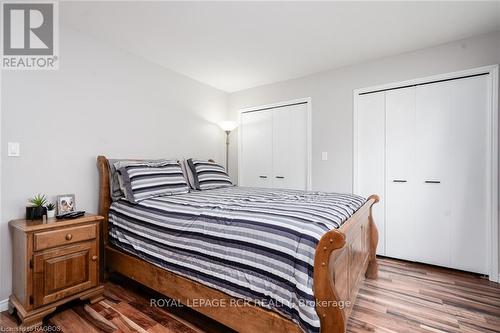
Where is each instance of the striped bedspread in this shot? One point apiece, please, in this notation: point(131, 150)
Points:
point(252, 243)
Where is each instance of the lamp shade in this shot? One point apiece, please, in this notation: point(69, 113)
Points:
point(228, 125)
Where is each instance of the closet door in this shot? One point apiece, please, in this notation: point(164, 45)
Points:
point(256, 149)
point(433, 178)
point(290, 147)
point(370, 142)
point(468, 169)
point(430, 154)
point(401, 180)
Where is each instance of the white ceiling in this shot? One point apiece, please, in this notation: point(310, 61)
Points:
point(238, 45)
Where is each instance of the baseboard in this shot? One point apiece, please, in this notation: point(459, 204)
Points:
point(4, 305)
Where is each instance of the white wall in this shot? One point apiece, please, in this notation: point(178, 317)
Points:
point(332, 99)
point(100, 101)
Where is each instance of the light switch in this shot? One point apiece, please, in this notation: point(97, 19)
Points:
point(324, 156)
point(14, 149)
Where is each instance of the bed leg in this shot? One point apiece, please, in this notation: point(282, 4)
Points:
point(372, 270)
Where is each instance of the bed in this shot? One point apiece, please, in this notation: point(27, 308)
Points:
point(253, 259)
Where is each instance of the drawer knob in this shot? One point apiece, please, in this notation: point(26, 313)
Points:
point(69, 236)
point(94, 258)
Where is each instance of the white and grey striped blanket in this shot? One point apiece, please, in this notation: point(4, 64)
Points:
point(252, 243)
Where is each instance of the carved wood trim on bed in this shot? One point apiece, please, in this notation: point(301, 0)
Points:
point(343, 258)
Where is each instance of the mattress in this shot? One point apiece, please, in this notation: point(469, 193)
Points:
point(252, 243)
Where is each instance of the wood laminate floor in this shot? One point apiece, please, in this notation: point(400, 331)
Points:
point(407, 297)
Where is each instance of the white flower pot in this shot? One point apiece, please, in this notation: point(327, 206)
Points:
point(51, 213)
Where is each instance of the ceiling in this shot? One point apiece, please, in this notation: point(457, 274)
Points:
point(239, 45)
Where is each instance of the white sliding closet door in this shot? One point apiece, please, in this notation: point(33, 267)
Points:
point(290, 147)
point(256, 153)
point(468, 169)
point(433, 178)
point(401, 180)
point(371, 156)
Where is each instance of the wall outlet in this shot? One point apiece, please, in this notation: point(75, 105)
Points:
point(14, 149)
point(324, 156)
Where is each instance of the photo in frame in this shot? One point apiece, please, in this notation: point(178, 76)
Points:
point(65, 203)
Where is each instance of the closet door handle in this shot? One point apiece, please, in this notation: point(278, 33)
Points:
point(433, 182)
point(280, 177)
point(399, 181)
point(262, 176)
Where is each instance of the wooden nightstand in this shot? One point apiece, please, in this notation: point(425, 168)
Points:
point(54, 262)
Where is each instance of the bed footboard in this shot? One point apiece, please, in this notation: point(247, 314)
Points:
point(343, 258)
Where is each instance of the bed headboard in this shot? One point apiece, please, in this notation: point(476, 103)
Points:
point(104, 194)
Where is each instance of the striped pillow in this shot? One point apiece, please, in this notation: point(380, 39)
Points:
point(142, 181)
point(208, 175)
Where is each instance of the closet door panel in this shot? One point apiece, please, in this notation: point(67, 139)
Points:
point(370, 169)
point(290, 147)
point(433, 119)
point(469, 124)
point(256, 149)
point(433, 196)
point(401, 181)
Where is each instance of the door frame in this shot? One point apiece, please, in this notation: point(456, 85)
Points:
point(492, 149)
point(5, 241)
point(305, 100)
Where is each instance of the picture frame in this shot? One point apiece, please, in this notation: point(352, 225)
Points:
point(66, 203)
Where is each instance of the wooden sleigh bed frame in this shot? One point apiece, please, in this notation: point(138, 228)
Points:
point(343, 258)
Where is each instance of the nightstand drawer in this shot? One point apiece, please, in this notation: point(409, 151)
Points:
point(48, 239)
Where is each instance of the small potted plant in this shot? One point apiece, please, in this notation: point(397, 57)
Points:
point(51, 210)
point(36, 207)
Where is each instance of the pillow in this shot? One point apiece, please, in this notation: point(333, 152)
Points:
point(208, 175)
point(188, 174)
point(143, 181)
point(115, 190)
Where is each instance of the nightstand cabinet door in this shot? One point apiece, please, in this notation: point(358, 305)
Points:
point(64, 271)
